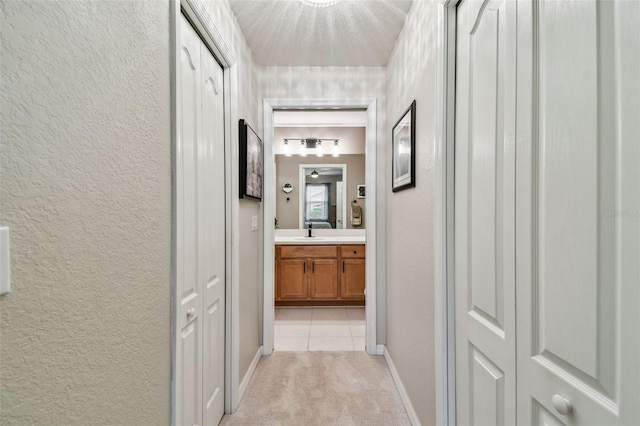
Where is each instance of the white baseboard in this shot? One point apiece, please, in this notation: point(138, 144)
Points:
point(380, 350)
point(413, 417)
point(247, 377)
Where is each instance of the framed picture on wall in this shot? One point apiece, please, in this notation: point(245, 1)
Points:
point(251, 160)
point(403, 158)
point(361, 191)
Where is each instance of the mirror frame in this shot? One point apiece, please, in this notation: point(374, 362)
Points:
point(303, 192)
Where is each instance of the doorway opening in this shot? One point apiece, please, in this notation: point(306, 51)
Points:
point(315, 210)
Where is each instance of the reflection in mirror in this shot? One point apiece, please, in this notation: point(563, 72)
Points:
point(324, 201)
point(323, 196)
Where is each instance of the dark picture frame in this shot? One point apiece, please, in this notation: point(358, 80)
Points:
point(403, 151)
point(251, 162)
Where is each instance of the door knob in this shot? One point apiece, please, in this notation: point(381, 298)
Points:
point(561, 404)
point(191, 312)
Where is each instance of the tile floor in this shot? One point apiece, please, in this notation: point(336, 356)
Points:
point(319, 329)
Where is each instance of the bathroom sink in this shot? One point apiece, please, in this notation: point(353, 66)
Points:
point(309, 239)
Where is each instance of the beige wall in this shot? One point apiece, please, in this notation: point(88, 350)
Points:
point(342, 83)
point(85, 172)
point(288, 170)
point(249, 243)
point(411, 74)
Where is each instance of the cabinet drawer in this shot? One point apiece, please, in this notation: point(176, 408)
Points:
point(353, 251)
point(308, 251)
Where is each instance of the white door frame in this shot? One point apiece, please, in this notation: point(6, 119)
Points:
point(205, 27)
point(444, 214)
point(269, 105)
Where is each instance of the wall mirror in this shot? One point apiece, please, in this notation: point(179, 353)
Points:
point(323, 196)
point(326, 200)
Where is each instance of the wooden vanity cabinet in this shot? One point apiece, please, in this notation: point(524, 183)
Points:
point(352, 277)
point(320, 275)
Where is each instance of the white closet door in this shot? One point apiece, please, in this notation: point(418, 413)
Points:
point(484, 213)
point(578, 213)
point(212, 237)
point(189, 288)
point(200, 235)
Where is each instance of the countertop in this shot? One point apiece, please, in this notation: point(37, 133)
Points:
point(319, 240)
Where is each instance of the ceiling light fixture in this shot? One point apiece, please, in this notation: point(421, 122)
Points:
point(319, 3)
point(314, 144)
point(314, 174)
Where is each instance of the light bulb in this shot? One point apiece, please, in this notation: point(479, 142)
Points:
point(318, 149)
point(287, 153)
point(303, 149)
point(336, 149)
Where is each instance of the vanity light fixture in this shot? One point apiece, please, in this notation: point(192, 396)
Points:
point(314, 174)
point(314, 144)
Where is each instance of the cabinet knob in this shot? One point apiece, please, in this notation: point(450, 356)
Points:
point(355, 252)
point(561, 404)
point(191, 312)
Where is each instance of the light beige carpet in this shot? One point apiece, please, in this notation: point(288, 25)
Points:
point(320, 388)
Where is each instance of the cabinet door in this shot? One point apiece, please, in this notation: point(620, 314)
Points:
point(293, 279)
point(324, 279)
point(352, 279)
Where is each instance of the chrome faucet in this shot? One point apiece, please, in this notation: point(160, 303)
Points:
point(309, 229)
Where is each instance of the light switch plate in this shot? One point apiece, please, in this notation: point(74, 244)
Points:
point(254, 223)
point(5, 264)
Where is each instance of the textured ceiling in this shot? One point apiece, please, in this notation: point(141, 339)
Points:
point(348, 33)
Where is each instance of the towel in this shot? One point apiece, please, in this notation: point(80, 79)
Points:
point(356, 215)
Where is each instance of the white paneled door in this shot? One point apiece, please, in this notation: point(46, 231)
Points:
point(578, 213)
point(200, 260)
point(484, 208)
point(547, 212)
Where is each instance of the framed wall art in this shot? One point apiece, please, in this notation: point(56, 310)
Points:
point(251, 161)
point(403, 161)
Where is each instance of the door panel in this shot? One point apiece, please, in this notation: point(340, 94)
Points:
point(574, 251)
point(352, 279)
point(484, 213)
point(189, 352)
point(293, 279)
point(324, 279)
point(212, 232)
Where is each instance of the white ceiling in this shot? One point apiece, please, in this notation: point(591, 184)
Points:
point(348, 33)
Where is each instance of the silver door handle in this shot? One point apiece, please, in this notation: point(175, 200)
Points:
point(561, 404)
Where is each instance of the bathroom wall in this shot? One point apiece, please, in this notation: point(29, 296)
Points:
point(279, 82)
point(85, 172)
point(288, 170)
point(411, 74)
point(249, 270)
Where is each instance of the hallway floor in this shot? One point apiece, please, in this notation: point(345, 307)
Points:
point(320, 388)
point(319, 329)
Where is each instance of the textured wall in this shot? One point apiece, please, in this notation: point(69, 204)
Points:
point(411, 74)
point(250, 243)
point(85, 168)
point(288, 170)
point(340, 83)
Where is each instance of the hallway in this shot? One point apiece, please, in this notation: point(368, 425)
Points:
point(320, 388)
